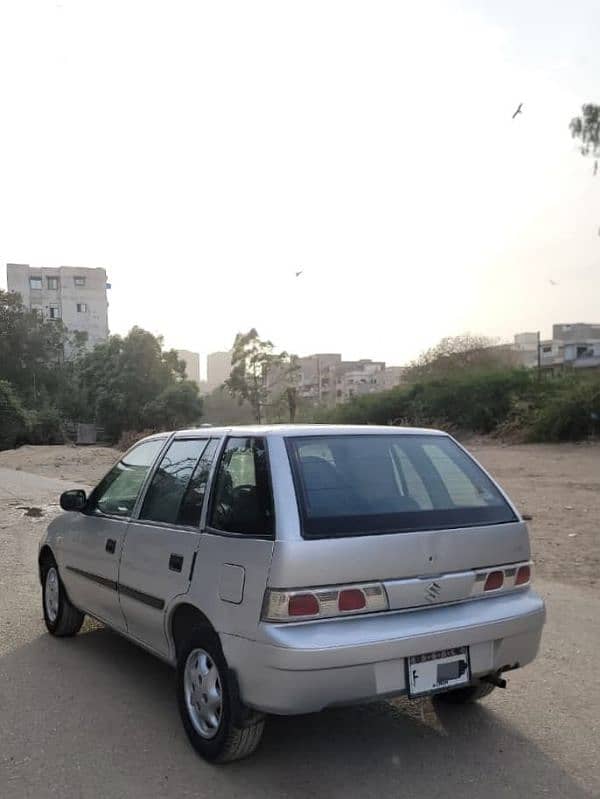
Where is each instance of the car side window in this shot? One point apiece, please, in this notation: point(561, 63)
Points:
point(117, 492)
point(241, 501)
point(170, 481)
point(190, 509)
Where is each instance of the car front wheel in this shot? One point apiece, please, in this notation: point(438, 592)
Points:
point(62, 618)
point(207, 703)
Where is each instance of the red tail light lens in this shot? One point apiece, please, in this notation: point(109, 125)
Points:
point(351, 599)
point(303, 605)
point(494, 581)
point(523, 575)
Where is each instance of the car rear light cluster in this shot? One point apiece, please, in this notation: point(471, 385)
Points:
point(503, 577)
point(324, 603)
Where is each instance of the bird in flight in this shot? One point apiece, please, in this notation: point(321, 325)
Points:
point(299, 273)
point(518, 111)
point(553, 282)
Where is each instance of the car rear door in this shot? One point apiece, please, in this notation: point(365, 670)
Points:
point(93, 542)
point(161, 543)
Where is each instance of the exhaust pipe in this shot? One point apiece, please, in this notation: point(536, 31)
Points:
point(496, 680)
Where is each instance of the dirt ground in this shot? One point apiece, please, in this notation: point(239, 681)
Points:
point(558, 485)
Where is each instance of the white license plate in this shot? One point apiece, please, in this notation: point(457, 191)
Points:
point(438, 671)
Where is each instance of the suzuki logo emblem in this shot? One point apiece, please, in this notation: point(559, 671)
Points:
point(433, 591)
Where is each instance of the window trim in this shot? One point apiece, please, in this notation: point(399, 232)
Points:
point(137, 509)
point(303, 519)
point(213, 482)
point(98, 513)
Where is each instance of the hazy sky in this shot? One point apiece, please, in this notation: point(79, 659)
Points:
point(202, 152)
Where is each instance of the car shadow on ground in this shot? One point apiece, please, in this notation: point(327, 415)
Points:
point(95, 716)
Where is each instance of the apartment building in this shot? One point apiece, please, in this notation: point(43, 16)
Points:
point(192, 364)
point(218, 369)
point(76, 295)
point(326, 379)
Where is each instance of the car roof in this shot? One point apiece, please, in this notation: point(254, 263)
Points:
point(270, 430)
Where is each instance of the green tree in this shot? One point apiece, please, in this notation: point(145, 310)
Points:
point(127, 382)
point(586, 128)
point(252, 360)
point(32, 350)
point(13, 417)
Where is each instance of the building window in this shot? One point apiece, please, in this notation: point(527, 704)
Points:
point(82, 307)
point(79, 281)
point(547, 349)
point(35, 283)
point(54, 312)
point(53, 284)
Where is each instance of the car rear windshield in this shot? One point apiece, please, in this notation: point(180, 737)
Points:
point(369, 484)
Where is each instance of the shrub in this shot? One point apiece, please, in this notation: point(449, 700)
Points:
point(571, 414)
point(45, 426)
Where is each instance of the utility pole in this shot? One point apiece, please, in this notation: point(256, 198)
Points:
point(539, 355)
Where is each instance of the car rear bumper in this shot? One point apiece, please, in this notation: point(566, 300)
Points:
point(300, 668)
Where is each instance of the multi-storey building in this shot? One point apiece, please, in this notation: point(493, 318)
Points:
point(75, 295)
point(218, 369)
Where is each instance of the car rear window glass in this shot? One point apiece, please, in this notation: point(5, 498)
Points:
point(367, 484)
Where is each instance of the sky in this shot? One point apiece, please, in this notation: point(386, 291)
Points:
point(203, 152)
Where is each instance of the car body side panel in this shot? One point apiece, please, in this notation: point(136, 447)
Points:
point(212, 591)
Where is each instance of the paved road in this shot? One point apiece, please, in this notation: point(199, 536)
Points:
point(94, 717)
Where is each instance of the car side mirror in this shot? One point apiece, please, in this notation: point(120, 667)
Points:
point(74, 499)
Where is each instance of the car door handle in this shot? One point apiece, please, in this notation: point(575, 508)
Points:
point(175, 562)
point(111, 545)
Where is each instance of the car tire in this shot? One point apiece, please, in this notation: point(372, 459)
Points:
point(467, 695)
point(218, 727)
point(62, 618)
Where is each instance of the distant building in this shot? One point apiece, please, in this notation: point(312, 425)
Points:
point(218, 369)
point(192, 364)
point(76, 295)
point(572, 346)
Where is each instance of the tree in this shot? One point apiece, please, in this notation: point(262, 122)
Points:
point(586, 128)
point(455, 353)
point(177, 406)
point(13, 417)
point(252, 360)
point(32, 350)
point(127, 382)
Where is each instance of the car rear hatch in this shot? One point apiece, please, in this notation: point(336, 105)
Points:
point(412, 512)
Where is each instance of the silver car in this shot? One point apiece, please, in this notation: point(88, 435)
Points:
point(287, 569)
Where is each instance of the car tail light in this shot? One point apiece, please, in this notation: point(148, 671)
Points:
point(351, 599)
point(303, 605)
point(494, 581)
point(523, 575)
point(322, 603)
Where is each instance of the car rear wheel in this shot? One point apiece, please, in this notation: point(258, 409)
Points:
point(464, 696)
point(208, 703)
point(62, 618)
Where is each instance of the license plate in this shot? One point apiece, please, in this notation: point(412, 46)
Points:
point(438, 671)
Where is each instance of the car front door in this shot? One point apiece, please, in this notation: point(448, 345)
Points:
point(93, 544)
point(161, 544)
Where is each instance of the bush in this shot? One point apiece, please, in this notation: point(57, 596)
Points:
point(476, 401)
point(131, 437)
point(571, 414)
point(13, 417)
point(45, 426)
